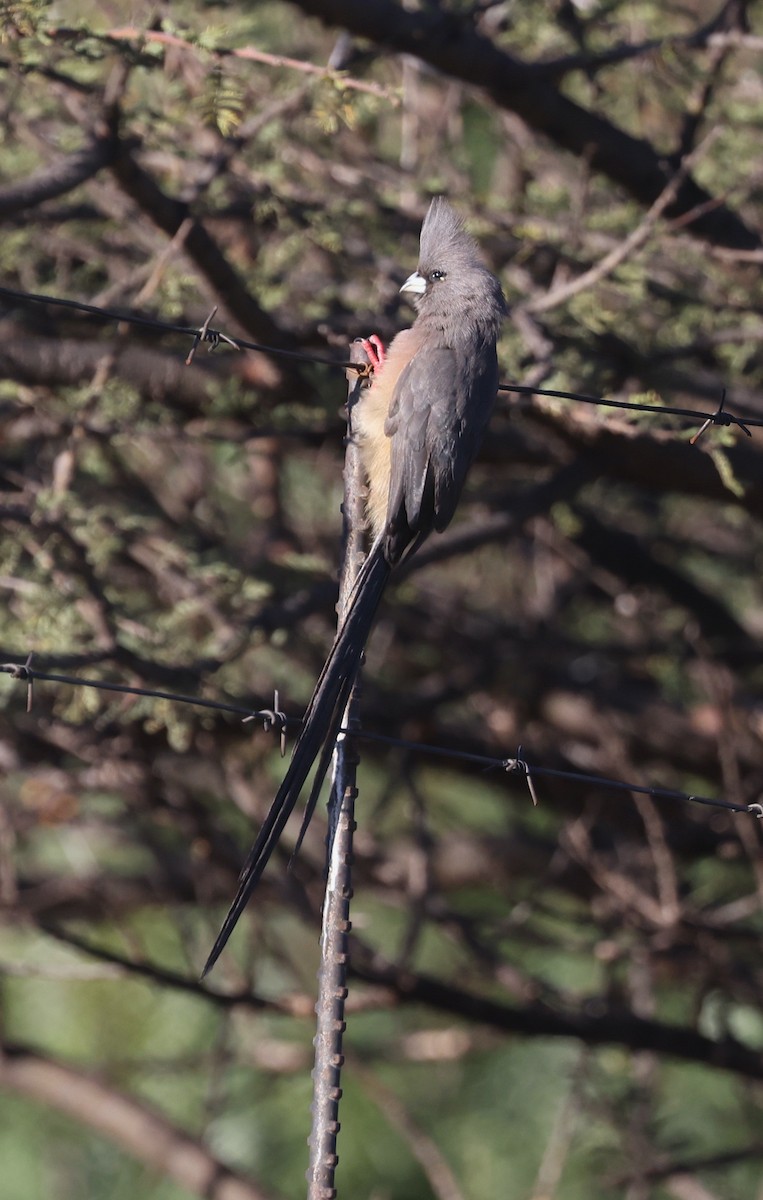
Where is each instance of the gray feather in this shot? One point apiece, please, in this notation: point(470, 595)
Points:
point(444, 397)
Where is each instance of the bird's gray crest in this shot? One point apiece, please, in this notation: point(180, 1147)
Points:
point(443, 236)
point(466, 297)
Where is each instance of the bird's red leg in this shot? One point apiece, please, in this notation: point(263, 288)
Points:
point(374, 348)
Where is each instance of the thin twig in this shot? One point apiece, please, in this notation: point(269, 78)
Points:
point(252, 54)
point(634, 240)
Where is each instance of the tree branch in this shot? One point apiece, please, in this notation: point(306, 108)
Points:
point(62, 177)
point(455, 48)
point(169, 214)
point(537, 1020)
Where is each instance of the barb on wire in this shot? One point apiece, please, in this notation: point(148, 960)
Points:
point(23, 671)
point(274, 719)
point(720, 417)
point(279, 717)
point(30, 682)
point(213, 336)
point(519, 764)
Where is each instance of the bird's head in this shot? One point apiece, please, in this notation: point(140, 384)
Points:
point(451, 281)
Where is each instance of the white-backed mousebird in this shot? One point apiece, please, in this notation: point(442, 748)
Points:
point(419, 427)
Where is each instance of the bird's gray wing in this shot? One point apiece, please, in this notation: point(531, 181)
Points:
point(438, 414)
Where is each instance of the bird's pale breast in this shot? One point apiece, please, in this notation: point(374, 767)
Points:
point(369, 420)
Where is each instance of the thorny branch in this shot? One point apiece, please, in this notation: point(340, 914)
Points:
point(332, 975)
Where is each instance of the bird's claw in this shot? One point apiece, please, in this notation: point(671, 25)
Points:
point(374, 348)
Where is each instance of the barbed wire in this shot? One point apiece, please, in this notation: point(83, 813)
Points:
point(204, 333)
point(721, 417)
point(275, 720)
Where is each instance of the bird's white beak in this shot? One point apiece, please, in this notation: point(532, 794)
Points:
point(416, 284)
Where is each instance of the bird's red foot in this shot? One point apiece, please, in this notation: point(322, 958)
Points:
point(374, 348)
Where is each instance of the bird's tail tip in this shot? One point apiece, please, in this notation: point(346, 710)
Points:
point(220, 943)
point(208, 965)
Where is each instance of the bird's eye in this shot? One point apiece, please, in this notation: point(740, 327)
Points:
point(434, 276)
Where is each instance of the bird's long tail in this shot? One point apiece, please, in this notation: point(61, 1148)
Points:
point(316, 741)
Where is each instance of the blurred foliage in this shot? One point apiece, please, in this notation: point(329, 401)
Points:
point(177, 527)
